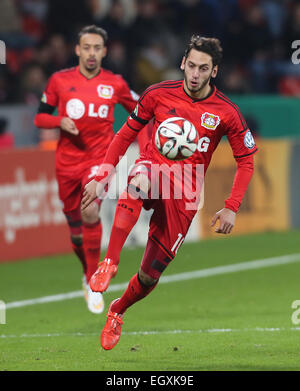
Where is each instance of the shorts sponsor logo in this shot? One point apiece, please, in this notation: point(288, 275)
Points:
point(249, 140)
point(105, 92)
point(75, 108)
point(210, 121)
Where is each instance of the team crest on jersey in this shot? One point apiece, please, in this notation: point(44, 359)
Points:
point(105, 92)
point(210, 121)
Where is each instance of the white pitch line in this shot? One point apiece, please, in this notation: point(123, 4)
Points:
point(155, 332)
point(237, 267)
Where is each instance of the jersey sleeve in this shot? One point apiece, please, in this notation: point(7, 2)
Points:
point(115, 152)
point(143, 112)
point(239, 135)
point(241, 182)
point(127, 97)
point(50, 94)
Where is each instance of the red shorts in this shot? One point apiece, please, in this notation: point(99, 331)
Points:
point(170, 220)
point(71, 185)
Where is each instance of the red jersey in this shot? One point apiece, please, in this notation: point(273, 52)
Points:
point(213, 117)
point(90, 104)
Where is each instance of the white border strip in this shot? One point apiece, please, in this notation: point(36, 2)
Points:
point(237, 267)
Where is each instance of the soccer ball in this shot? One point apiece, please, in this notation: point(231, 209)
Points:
point(176, 138)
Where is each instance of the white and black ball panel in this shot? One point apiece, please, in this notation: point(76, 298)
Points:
point(176, 138)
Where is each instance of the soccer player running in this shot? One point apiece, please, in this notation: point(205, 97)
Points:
point(214, 115)
point(85, 97)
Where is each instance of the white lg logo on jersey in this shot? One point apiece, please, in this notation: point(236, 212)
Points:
point(102, 111)
point(75, 109)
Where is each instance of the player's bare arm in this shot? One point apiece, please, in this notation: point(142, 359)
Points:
point(68, 125)
point(226, 219)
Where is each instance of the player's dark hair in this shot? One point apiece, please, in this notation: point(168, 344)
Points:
point(211, 46)
point(93, 29)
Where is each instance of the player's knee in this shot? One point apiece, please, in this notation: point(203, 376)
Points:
point(140, 185)
point(91, 213)
point(74, 221)
point(146, 279)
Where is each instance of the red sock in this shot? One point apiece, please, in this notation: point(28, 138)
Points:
point(127, 213)
point(134, 292)
point(92, 234)
point(79, 251)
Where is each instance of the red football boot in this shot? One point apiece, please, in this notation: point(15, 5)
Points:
point(111, 332)
point(101, 278)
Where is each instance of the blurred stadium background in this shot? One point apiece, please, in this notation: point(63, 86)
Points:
point(146, 41)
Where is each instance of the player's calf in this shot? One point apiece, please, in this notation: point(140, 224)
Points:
point(127, 213)
point(78, 249)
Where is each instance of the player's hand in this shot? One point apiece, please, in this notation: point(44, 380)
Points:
point(227, 220)
point(68, 125)
point(91, 191)
point(89, 194)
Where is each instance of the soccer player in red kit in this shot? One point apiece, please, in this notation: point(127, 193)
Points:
point(85, 97)
point(213, 115)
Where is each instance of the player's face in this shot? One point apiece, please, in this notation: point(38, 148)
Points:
point(90, 51)
point(198, 70)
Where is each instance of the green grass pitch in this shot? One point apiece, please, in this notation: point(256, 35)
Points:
point(234, 321)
